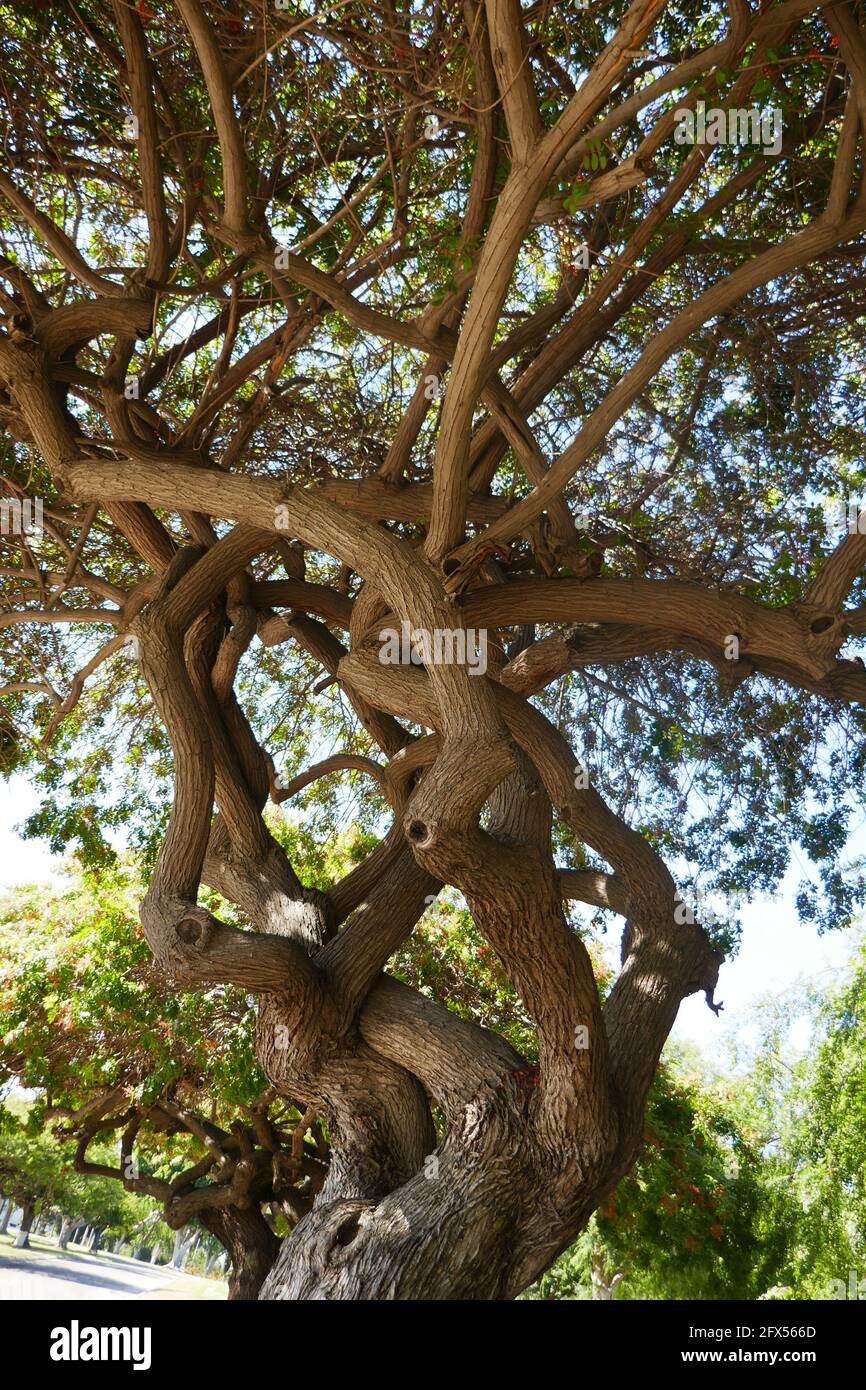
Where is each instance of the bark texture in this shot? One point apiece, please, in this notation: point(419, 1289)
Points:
point(453, 1168)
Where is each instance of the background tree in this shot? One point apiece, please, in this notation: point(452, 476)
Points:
point(29, 1174)
point(810, 1100)
point(330, 323)
point(827, 1132)
point(162, 1095)
point(699, 1216)
point(38, 1175)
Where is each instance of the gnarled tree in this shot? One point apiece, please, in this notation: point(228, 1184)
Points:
point(258, 1162)
point(160, 1094)
point(326, 324)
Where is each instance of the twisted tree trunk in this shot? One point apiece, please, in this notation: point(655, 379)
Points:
point(251, 1246)
point(474, 773)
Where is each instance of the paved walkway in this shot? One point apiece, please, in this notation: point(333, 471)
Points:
point(45, 1273)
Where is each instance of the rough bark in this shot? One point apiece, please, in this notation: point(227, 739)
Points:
point(473, 773)
point(251, 1246)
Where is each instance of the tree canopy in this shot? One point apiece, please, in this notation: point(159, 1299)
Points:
point(408, 396)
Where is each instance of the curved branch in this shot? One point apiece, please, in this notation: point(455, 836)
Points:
point(338, 762)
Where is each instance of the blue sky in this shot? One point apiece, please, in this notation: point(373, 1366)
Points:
point(775, 952)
